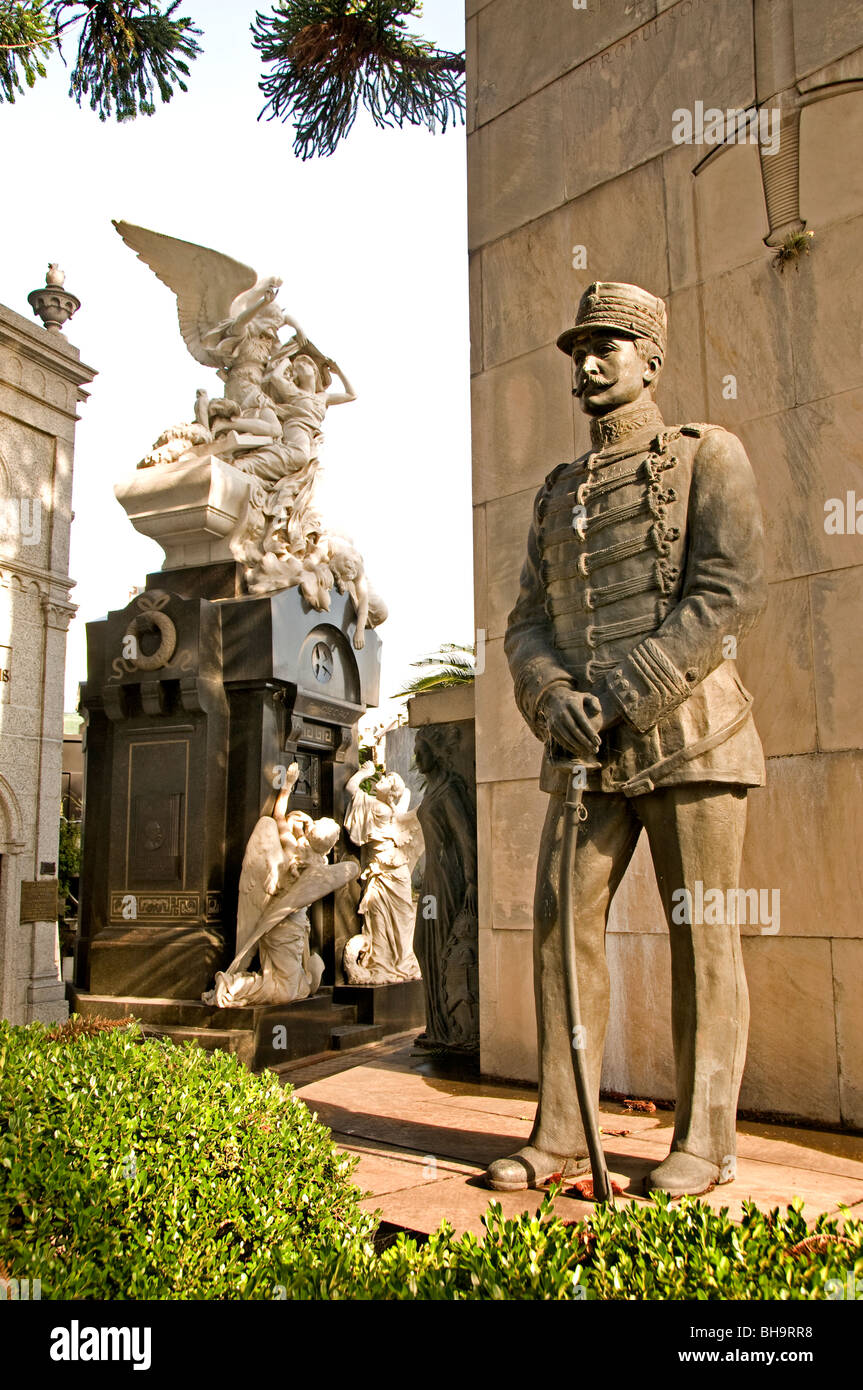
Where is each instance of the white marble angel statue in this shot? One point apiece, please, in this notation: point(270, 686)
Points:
point(229, 321)
point(267, 424)
point(392, 843)
point(298, 386)
point(282, 520)
point(284, 870)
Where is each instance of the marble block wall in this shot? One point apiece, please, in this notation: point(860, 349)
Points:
point(570, 146)
point(40, 387)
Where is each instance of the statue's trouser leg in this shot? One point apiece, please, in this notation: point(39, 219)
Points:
point(696, 833)
point(606, 841)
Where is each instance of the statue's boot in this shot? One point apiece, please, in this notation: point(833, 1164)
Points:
point(532, 1167)
point(681, 1174)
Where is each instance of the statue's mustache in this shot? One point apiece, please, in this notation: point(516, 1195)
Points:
point(589, 381)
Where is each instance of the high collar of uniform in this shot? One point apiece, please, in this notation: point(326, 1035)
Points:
point(619, 424)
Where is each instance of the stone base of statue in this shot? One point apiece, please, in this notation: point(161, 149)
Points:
point(396, 1008)
point(269, 1036)
point(163, 961)
point(190, 508)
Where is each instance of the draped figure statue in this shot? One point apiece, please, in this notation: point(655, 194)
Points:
point(446, 921)
point(392, 842)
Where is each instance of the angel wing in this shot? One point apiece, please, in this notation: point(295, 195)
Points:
point(408, 835)
point(259, 878)
point(205, 282)
point(312, 884)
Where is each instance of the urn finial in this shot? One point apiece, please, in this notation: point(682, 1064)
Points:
point(53, 304)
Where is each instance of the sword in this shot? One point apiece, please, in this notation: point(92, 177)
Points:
point(574, 812)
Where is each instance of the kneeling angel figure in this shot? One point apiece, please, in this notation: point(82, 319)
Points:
point(284, 871)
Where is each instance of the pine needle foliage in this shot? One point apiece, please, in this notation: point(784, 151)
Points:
point(456, 665)
point(129, 51)
point(328, 56)
point(26, 37)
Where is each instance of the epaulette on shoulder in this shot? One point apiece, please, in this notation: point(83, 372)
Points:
point(552, 477)
point(697, 431)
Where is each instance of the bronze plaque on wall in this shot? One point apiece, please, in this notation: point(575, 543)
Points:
point(39, 900)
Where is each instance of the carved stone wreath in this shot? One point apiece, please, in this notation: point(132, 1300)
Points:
point(145, 622)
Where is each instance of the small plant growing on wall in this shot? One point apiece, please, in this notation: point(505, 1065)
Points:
point(795, 245)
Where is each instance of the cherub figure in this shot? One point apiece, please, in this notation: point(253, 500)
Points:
point(348, 570)
point(297, 388)
point(284, 870)
point(392, 843)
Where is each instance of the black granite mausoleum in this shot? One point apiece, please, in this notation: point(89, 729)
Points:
point(196, 696)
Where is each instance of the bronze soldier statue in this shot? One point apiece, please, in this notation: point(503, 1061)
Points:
point(644, 568)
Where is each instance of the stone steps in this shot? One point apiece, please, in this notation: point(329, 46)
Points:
point(186, 1013)
point(333, 1020)
point(240, 1041)
point(355, 1035)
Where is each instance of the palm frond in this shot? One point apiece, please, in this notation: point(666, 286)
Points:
point(456, 663)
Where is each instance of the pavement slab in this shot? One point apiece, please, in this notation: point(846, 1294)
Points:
point(384, 1168)
point(424, 1137)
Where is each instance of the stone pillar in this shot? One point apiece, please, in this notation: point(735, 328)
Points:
point(41, 377)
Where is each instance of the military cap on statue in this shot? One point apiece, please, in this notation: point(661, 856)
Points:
point(621, 309)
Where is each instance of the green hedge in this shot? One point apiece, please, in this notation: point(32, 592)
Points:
point(136, 1169)
point(131, 1168)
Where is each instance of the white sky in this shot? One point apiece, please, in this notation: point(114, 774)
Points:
point(371, 246)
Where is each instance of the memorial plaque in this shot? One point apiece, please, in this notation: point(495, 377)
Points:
point(39, 900)
point(158, 787)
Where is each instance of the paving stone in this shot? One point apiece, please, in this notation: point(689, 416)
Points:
point(423, 1141)
point(384, 1169)
point(463, 1204)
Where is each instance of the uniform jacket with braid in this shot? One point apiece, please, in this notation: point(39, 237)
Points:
point(643, 559)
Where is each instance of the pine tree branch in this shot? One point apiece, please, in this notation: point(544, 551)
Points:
point(128, 51)
point(58, 28)
point(328, 56)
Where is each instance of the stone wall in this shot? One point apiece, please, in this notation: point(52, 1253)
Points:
point(40, 387)
point(570, 145)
